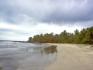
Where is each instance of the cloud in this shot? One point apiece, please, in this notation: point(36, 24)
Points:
point(48, 10)
point(22, 32)
point(20, 19)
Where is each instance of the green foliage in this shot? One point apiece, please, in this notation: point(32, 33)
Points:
point(85, 36)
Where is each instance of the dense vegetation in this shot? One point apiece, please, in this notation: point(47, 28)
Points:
point(85, 36)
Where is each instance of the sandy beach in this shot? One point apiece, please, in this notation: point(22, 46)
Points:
point(29, 56)
point(72, 57)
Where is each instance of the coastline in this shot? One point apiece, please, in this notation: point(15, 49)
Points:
point(72, 57)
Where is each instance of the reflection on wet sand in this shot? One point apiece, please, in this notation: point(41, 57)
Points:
point(38, 59)
point(51, 49)
point(28, 58)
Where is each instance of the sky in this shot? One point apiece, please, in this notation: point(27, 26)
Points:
point(20, 19)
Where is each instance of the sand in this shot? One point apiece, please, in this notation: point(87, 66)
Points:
point(72, 57)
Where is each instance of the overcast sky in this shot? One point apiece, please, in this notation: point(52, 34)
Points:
point(20, 19)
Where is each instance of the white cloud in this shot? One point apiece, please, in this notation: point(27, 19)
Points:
point(4, 25)
point(24, 18)
point(23, 31)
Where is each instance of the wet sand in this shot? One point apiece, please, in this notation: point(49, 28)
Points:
point(72, 57)
point(27, 56)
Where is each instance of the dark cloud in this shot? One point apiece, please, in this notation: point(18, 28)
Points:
point(47, 10)
point(20, 19)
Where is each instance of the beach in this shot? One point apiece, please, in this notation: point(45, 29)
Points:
point(72, 57)
point(49, 56)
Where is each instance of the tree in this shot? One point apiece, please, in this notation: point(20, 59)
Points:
point(76, 36)
point(84, 36)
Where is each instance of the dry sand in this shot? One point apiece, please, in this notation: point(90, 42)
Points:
point(72, 57)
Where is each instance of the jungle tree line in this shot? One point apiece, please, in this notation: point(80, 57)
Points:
point(85, 36)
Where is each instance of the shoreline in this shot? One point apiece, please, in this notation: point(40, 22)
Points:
point(72, 57)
